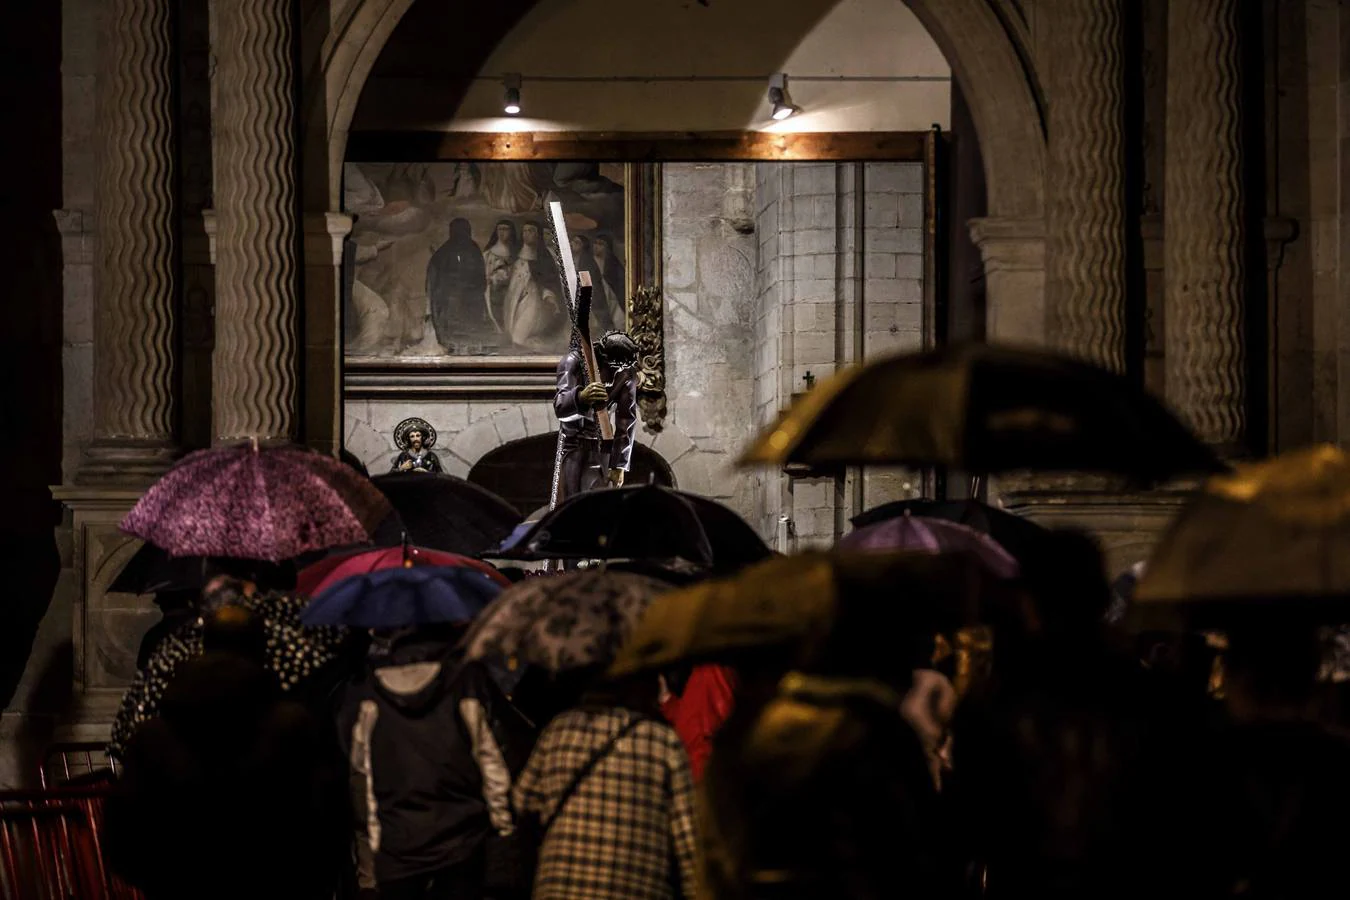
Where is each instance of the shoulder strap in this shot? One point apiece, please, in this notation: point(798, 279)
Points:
point(585, 770)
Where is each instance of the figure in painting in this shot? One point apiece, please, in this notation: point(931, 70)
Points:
point(499, 258)
point(585, 261)
point(456, 288)
point(533, 311)
point(586, 461)
point(611, 283)
point(415, 437)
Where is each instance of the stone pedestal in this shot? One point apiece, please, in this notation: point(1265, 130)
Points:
point(255, 365)
point(106, 628)
point(135, 266)
point(1014, 269)
point(1085, 183)
point(1203, 216)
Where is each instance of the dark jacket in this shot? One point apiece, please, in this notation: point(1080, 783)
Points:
point(577, 420)
point(430, 778)
point(232, 791)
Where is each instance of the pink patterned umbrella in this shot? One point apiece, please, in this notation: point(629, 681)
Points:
point(270, 503)
point(909, 532)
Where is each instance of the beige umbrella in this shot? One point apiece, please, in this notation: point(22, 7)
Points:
point(1271, 539)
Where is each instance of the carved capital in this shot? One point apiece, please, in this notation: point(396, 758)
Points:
point(76, 227)
point(646, 325)
point(324, 236)
point(1010, 245)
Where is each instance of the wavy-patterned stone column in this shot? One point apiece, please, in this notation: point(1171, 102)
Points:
point(134, 262)
point(1203, 220)
point(1085, 228)
point(254, 366)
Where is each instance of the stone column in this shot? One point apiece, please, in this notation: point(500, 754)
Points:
point(134, 263)
point(1203, 220)
point(325, 234)
point(254, 366)
point(1013, 251)
point(1085, 228)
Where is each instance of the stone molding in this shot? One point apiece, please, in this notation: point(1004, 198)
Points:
point(1010, 245)
point(1085, 239)
point(76, 227)
point(255, 378)
point(1204, 273)
point(325, 233)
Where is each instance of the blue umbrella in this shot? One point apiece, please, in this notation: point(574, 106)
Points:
point(398, 598)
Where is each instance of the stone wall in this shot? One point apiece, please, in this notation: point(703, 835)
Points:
point(836, 283)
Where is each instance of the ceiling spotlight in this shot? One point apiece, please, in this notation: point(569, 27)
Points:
point(783, 107)
point(511, 100)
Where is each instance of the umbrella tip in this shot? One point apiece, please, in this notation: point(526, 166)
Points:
point(253, 440)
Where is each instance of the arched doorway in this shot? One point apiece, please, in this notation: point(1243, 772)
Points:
point(521, 472)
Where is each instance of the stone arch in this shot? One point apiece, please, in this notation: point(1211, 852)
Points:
point(344, 39)
point(520, 470)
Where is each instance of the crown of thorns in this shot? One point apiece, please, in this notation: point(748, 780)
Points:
point(407, 426)
point(619, 343)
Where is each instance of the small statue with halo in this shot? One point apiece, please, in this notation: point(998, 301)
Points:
point(415, 437)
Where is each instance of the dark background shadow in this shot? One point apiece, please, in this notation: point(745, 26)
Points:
point(30, 327)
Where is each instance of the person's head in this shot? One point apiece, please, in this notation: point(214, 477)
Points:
point(602, 247)
point(529, 233)
point(248, 576)
point(460, 230)
point(1271, 667)
point(236, 630)
point(640, 693)
point(415, 440)
point(580, 244)
point(504, 233)
point(1065, 574)
point(616, 350)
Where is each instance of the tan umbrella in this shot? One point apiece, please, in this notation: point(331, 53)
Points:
point(794, 601)
point(981, 409)
point(1271, 539)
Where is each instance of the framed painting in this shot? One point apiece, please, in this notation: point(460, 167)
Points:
point(448, 279)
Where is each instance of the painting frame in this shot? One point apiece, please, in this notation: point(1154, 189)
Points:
point(514, 377)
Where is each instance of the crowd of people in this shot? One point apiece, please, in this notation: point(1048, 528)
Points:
point(1070, 759)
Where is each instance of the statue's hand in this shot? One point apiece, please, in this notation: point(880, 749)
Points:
point(594, 394)
point(408, 464)
point(616, 477)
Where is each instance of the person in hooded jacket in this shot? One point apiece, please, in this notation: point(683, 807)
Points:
point(431, 747)
point(233, 790)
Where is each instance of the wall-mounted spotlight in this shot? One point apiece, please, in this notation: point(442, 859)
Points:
point(783, 107)
point(511, 98)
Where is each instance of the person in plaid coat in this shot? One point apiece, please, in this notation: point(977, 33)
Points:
point(627, 831)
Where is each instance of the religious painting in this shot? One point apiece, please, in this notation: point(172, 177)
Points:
point(448, 262)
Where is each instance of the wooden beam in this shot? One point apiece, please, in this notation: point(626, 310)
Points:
point(722, 146)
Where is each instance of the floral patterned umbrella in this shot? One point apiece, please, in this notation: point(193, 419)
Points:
point(271, 503)
point(295, 653)
point(563, 622)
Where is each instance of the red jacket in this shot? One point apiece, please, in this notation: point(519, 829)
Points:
point(700, 711)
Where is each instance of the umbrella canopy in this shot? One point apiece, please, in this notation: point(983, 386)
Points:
point(793, 601)
point(1013, 533)
point(403, 597)
point(296, 654)
point(445, 513)
point(271, 503)
point(931, 536)
point(563, 622)
point(1271, 540)
point(323, 574)
point(983, 409)
point(646, 522)
point(151, 570)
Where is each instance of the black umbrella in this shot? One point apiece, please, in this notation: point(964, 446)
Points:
point(645, 523)
point(984, 409)
point(1013, 533)
point(444, 513)
point(152, 570)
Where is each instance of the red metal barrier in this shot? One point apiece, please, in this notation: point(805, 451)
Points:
point(50, 847)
